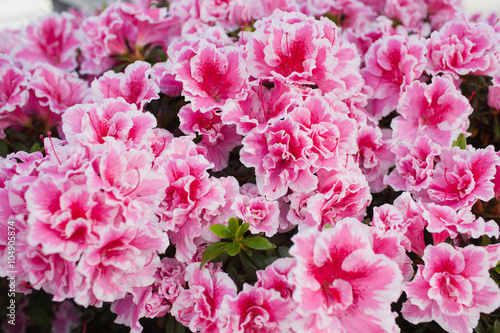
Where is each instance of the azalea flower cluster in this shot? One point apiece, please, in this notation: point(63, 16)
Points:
point(326, 106)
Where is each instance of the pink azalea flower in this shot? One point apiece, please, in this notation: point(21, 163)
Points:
point(413, 214)
point(263, 104)
point(303, 50)
point(280, 155)
point(438, 110)
point(92, 123)
point(262, 214)
point(453, 288)
point(410, 13)
point(243, 12)
point(211, 76)
point(134, 85)
point(256, 309)
point(218, 139)
point(53, 40)
point(56, 89)
point(494, 93)
point(463, 176)
point(414, 165)
point(462, 47)
point(277, 276)
point(13, 90)
point(171, 280)
point(376, 155)
point(388, 220)
point(444, 218)
point(442, 11)
point(392, 63)
point(199, 306)
point(342, 193)
point(333, 134)
point(343, 282)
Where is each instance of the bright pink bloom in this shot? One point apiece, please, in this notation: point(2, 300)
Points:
point(303, 50)
point(414, 165)
point(52, 40)
point(452, 288)
point(392, 63)
point(92, 123)
point(211, 75)
point(442, 11)
point(342, 281)
point(56, 89)
point(262, 214)
point(388, 220)
point(256, 309)
point(13, 88)
point(199, 306)
point(494, 93)
point(277, 276)
point(444, 218)
point(438, 110)
point(218, 139)
point(281, 156)
point(413, 215)
point(463, 176)
point(135, 85)
point(462, 47)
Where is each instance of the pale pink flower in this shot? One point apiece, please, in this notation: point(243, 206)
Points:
point(211, 76)
point(392, 63)
point(13, 88)
point(53, 40)
point(281, 156)
point(342, 281)
point(56, 89)
point(244, 12)
point(388, 220)
point(413, 214)
point(135, 85)
point(453, 288)
point(199, 306)
point(218, 139)
point(262, 214)
point(462, 47)
point(444, 218)
point(277, 276)
point(256, 309)
point(414, 165)
point(494, 93)
point(442, 11)
point(92, 123)
point(438, 110)
point(463, 176)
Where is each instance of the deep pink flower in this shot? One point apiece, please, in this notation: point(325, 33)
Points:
point(199, 306)
point(281, 156)
point(463, 176)
point(135, 85)
point(462, 47)
point(342, 281)
point(438, 110)
point(392, 63)
point(210, 75)
point(452, 288)
point(256, 309)
point(52, 40)
point(414, 165)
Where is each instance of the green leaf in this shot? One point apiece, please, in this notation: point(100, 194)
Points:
point(4, 149)
point(327, 226)
point(461, 141)
point(241, 230)
point(497, 269)
point(212, 252)
point(283, 251)
point(258, 260)
point(233, 248)
point(496, 326)
point(258, 243)
point(221, 230)
point(233, 225)
point(35, 147)
point(496, 128)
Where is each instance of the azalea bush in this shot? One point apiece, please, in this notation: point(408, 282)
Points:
point(252, 166)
